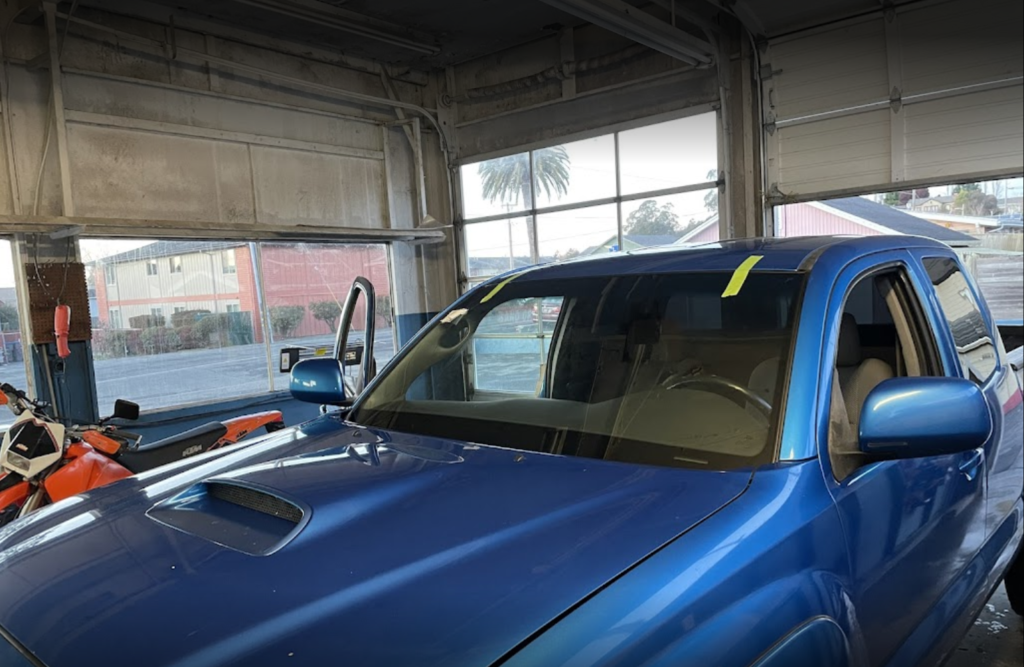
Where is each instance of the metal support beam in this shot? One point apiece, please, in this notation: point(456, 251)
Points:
point(741, 200)
point(57, 99)
point(132, 228)
point(639, 26)
point(421, 176)
point(344, 20)
point(8, 132)
point(567, 49)
point(160, 127)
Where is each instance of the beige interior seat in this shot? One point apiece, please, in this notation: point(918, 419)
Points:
point(857, 376)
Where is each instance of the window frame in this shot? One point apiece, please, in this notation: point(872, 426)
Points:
point(152, 267)
point(228, 267)
point(530, 213)
point(176, 264)
point(922, 332)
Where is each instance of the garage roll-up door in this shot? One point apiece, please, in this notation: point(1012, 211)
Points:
point(924, 92)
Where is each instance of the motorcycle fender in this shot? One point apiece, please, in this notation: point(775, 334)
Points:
point(239, 427)
point(87, 470)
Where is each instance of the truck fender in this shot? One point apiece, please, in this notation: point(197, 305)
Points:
point(818, 641)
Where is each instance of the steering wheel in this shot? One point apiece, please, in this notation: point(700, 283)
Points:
point(723, 387)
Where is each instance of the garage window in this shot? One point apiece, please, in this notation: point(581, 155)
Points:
point(642, 187)
point(14, 367)
point(212, 329)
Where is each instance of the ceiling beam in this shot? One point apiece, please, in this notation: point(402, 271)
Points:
point(639, 26)
point(289, 45)
point(348, 21)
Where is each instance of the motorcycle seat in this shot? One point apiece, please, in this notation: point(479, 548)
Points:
point(175, 448)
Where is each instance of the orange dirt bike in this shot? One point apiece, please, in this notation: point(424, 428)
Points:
point(43, 461)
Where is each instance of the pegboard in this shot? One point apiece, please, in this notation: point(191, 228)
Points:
point(42, 300)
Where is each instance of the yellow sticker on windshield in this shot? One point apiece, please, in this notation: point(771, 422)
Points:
point(739, 276)
point(497, 288)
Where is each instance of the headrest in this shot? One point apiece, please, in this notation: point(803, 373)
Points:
point(849, 353)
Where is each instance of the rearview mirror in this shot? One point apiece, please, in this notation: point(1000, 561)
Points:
point(319, 381)
point(924, 416)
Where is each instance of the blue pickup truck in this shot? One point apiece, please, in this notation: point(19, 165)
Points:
point(764, 452)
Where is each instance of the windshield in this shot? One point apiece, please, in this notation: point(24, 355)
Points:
point(652, 369)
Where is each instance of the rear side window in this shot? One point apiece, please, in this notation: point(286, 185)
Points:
point(974, 345)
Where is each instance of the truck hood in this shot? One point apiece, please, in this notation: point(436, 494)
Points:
point(397, 550)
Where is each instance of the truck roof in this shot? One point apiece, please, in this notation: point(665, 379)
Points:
point(778, 254)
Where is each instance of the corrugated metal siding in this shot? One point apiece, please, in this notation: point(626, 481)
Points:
point(807, 220)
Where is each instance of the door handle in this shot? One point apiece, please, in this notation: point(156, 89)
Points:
point(969, 466)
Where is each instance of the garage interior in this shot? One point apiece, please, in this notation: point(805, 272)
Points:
point(202, 180)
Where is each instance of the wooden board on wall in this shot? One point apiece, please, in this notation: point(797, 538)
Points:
point(47, 283)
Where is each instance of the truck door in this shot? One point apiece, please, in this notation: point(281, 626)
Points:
point(912, 525)
point(978, 355)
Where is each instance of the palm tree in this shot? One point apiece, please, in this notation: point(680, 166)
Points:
point(507, 179)
point(711, 198)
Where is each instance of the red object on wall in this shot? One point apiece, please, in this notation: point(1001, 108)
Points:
point(61, 327)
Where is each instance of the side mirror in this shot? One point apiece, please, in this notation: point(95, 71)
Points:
point(125, 410)
point(319, 381)
point(924, 416)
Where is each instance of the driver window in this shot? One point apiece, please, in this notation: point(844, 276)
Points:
point(880, 337)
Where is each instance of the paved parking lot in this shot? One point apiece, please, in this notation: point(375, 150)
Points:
point(193, 376)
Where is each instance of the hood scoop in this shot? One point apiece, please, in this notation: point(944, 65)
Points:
point(238, 516)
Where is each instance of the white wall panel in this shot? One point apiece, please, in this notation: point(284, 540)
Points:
point(95, 93)
point(809, 159)
point(960, 43)
point(139, 175)
point(296, 187)
point(930, 93)
point(840, 68)
point(969, 134)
